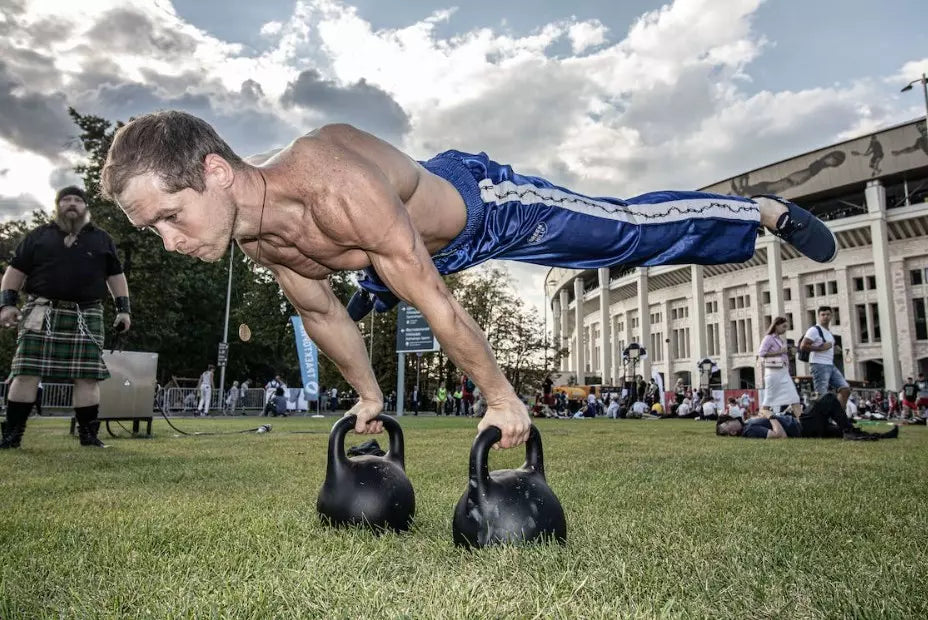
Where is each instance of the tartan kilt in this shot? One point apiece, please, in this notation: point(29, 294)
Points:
point(63, 348)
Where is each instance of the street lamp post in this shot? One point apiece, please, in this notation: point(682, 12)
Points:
point(924, 83)
point(225, 330)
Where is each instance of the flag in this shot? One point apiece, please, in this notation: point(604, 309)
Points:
point(309, 359)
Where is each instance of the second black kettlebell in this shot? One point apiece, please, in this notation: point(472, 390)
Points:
point(371, 491)
point(508, 505)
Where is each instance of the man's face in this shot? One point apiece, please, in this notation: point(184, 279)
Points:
point(824, 317)
point(188, 222)
point(72, 208)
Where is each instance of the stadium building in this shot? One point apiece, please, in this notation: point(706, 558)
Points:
point(873, 193)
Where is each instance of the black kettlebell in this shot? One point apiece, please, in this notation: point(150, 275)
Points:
point(508, 505)
point(367, 490)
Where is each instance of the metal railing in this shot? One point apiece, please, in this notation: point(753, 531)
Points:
point(54, 395)
point(177, 400)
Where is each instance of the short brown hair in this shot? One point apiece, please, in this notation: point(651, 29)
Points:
point(169, 143)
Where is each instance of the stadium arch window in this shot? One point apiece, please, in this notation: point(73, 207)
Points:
point(921, 318)
point(833, 287)
point(875, 313)
point(820, 289)
point(787, 294)
point(810, 290)
point(916, 276)
point(766, 297)
point(858, 284)
point(835, 316)
point(871, 283)
point(862, 323)
point(789, 319)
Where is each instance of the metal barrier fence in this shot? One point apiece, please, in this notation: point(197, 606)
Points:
point(186, 400)
point(177, 400)
point(54, 395)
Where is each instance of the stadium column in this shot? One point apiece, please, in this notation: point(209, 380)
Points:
point(803, 369)
point(564, 342)
point(889, 339)
point(848, 319)
point(644, 321)
point(725, 338)
point(758, 328)
point(581, 329)
point(774, 275)
point(555, 323)
point(698, 349)
point(605, 324)
point(902, 301)
point(667, 342)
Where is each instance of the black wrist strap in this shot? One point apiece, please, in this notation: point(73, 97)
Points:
point(122, 305)
point(9, 297)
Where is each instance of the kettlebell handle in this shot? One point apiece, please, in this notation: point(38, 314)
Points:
point(337, 456)
point(480, 452)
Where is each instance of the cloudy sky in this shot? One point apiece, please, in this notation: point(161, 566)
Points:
point(604, 96)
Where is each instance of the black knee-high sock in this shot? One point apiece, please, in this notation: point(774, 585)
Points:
point(17, 413)
point(86, 414)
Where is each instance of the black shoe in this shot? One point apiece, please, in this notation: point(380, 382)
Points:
point(805, 232)
point(360, 304)
point(12, 435)
point(88, 434)
point(890, 434)
point(855, 434)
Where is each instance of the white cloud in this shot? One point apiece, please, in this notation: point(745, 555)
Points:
point(587, 34)
point(271, 29)
point(665, 105)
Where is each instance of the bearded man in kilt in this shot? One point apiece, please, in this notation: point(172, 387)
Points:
point(66, 267)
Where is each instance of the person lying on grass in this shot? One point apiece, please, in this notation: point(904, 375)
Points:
point(825, 418)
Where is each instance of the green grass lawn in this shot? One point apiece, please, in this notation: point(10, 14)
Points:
point(664, 519)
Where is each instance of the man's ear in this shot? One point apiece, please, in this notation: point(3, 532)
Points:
point(218, 171)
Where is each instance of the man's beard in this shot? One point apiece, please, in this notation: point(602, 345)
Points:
point(70, 225)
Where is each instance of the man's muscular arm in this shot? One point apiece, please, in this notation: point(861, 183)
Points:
point(380, 225)
point(327, 322)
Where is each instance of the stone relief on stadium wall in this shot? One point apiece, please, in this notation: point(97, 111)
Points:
point(851, 162)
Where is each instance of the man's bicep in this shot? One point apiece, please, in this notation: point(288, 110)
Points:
point(407, 269)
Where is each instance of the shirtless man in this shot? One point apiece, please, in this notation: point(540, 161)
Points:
point(341, 199)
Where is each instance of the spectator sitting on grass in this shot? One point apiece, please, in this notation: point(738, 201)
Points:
point(277, 405)
point(612, 411)
point(685, 410)
point(638, 409)
point(586, 411)
point(657, 409)
point(824, 419)
point(734, 411)
point(697, 402)
point(710, 410)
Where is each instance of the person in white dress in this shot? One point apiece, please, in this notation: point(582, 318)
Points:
point(779, 389)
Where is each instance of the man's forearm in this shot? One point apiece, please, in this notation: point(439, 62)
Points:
point(12, 279)
point(465, 343)
point(118, 285)
point(338, 337)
